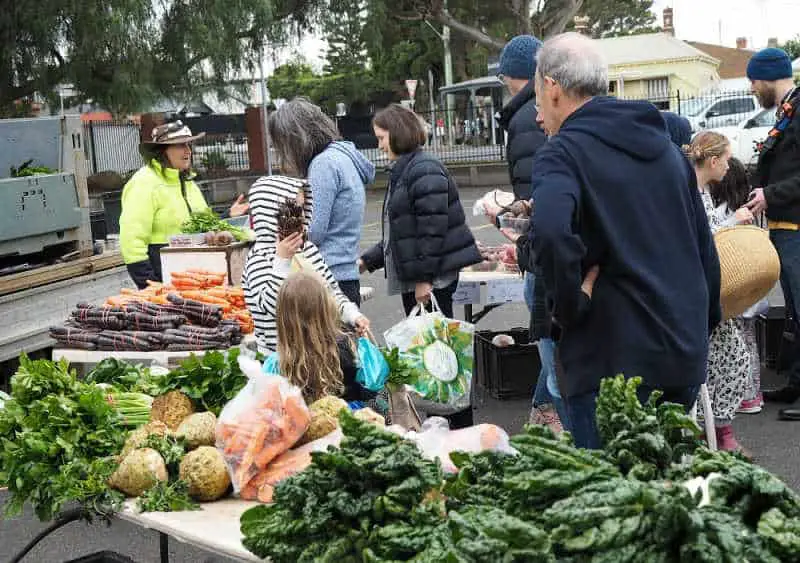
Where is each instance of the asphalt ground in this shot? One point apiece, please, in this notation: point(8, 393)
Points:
point(774, 444)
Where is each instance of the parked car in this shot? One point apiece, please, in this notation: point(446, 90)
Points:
point(748, 133)
point(722, 110)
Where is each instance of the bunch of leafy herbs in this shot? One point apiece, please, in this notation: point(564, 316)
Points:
point(53, 431)
point(211, 380)
point(207, 221)
point(123, 376)
point(167, 496)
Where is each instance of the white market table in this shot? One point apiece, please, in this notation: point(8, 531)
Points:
point(490, 289)
point(215, 528)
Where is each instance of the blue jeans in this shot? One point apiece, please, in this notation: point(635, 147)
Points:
point(787, 243)
point(581, 409)
point(546, 391)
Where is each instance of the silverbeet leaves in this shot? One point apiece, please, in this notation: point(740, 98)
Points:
point(376, 500)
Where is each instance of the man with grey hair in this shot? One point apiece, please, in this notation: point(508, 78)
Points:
point(620, 234)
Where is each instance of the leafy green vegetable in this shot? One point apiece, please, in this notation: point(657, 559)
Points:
point(51, 420)
point(643, 440)
point(332, 510)
point(123, 376)
point(86, 482)
point(134, 408)
point(167, 496)
point(170, 448)
point(212, 381)
point(400, 370)
point(207, 221)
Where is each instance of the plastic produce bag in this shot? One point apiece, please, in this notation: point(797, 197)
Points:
point(266, 418)
point(272, 365)
point(439, 353)
point(373, 370)
point(262, 486)
point(436, 441)
point(492, 203)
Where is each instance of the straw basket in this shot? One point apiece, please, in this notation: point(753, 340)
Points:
point(749, 267)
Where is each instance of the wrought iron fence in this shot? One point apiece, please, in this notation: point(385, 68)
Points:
point(221, 155)
point(455, 136)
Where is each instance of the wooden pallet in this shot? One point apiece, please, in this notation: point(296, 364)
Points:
point(49, 274)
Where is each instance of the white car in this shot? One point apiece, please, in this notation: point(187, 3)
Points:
point(723, 110)
point(748, 133)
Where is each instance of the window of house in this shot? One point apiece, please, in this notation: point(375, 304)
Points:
point(657, 89)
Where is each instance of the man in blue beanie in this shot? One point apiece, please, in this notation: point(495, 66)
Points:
point(524, 137)
point(778, 190)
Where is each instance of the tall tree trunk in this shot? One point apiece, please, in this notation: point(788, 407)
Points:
point(468, 31)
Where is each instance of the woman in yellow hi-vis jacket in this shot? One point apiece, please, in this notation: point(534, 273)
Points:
point(159, 198)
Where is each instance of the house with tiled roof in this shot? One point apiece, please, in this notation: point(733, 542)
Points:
point(732, 63)
point(658, 67)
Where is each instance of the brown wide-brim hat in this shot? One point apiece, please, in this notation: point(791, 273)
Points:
point(175, 133)
point(749, 268)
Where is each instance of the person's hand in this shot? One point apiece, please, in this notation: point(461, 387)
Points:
point(361, 266)
point(744, 216)
point(588, 282)
point(510, 234)
point(289, 246)
point(757, 203)
point(239, 207)
point(423, 291)
point(362, 325)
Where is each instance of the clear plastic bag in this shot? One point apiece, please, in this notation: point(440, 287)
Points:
point(492, 203)
point(436, 441)
point(266, 418)
point(262, 486)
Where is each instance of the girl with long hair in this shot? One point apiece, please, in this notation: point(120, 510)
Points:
point(314, 353)
point(729, 358)
point(729, 194)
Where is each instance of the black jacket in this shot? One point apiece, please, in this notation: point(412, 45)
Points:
point(779, 172)
point(525, 137)
point(428, 231)
point(610, 189)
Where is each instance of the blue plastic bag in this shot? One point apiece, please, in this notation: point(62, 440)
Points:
point(373, 370)
point(271, 365)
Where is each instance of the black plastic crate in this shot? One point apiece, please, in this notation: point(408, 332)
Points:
point(103, 557)
point(506, 372)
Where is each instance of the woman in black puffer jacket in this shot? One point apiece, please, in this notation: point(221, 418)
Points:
point(425, 238)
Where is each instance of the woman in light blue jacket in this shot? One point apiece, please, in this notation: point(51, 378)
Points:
point(310, 146)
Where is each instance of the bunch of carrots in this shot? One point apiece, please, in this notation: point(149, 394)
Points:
point(196, 285)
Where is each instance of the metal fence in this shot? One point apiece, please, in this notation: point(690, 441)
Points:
point(459, 136)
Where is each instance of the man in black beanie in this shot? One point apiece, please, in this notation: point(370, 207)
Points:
point(778, 190)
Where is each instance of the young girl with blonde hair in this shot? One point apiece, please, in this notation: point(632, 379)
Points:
point(314, 353)
point(729, 358)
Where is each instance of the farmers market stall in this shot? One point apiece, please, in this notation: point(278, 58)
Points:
point(214, 528)
point(490, 289)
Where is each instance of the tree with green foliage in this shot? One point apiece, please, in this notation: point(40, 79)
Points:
point(621, 17)
point(792, 47)
point(343, 26)
point(124, 54)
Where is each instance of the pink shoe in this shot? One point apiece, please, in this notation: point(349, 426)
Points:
point(751, 406)
point(727, 442)
point(546, 415)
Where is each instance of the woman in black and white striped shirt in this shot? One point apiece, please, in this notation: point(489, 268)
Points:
point(272, 260)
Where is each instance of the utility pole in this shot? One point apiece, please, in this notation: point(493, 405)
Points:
point(264, 111)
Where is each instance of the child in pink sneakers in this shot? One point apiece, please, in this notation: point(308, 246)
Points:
point(732, 191)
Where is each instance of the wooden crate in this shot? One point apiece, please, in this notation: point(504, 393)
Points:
point(230, 259)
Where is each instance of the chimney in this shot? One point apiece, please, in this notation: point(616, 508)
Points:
point(772, 42)
point(582, 24)
point(741, 42)
point(669, 26)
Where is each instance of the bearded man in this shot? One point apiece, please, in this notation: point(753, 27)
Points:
point(778, 191)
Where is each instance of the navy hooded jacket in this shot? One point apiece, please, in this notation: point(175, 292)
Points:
point(610, 189)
